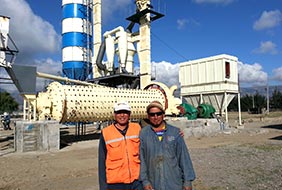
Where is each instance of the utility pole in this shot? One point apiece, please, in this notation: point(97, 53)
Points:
point(253, 96)
point(267, 99)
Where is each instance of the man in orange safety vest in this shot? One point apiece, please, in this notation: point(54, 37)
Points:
point(119, 163)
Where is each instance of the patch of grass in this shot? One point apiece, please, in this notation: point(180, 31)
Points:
point(256, 177)
point(275, 114)
point(246, 115)
point(268, 147)
point(262, 147)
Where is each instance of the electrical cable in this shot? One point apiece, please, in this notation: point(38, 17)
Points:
point(168, 46)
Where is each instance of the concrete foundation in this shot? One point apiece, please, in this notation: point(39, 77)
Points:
point(37, 136)
point(198, 127)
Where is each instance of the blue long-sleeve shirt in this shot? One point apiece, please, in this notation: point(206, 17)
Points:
point(165, 164)
point(102, 164)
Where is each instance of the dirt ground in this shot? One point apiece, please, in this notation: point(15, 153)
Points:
point(242, 158)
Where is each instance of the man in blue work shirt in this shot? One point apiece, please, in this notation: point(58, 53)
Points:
point(165, 160)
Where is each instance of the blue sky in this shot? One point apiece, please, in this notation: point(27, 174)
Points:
point(191, 29)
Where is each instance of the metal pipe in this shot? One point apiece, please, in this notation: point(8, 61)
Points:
point(65, 79)
point(115, 30)
point(100, 57)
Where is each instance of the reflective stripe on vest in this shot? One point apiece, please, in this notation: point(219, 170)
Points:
point(122, 138)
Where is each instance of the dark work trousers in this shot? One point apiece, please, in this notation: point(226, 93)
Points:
point(136, 185)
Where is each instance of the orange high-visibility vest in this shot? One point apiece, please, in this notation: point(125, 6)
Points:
point(122, 160)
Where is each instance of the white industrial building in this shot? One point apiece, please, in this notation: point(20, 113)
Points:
point(212, 80)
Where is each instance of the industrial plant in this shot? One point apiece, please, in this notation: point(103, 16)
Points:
point(98, 70)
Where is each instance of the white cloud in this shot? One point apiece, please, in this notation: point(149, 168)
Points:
point(48, 66)
point(268, 19)
point(277, 74)
point(181, 23)
point(166, 73)
point(110, 7)
point(31, 33)
point(224, 2)
point(53, 66)
point(252, 74)
point(34, 37)
point(266, 47)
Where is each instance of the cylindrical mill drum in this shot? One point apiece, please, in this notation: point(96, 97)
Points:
point(78, 103)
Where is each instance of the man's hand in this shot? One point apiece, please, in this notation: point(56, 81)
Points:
point(181, 133)
point(149, 187)
point(187, 188)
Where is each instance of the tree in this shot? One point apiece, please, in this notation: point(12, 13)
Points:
point(248, 102)
point(276, 99)
point(233, 106)
point(7, 103)
point(259, 100)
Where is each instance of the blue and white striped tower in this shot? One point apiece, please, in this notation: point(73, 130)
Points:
point(77, 46)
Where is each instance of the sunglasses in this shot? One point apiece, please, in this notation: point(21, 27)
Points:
point(156, 113)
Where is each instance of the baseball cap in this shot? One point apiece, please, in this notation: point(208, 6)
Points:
point(155, 104)
point(122, 105)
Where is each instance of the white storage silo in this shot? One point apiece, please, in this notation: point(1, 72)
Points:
point(77, 43)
